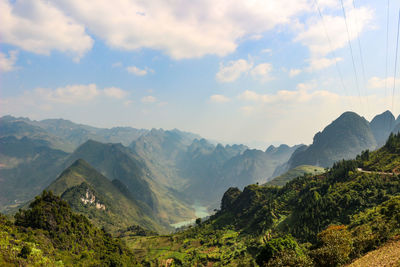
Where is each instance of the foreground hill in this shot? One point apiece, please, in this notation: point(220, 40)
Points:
point(49, 233)
point(344, 138)
point(107, 204)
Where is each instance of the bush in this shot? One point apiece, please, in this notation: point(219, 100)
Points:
point(25, 252)
point(277, 246)
point(335, 246)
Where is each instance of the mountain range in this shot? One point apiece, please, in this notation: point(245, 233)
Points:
point(308, 216)
point(344, 138)
point(165, 171)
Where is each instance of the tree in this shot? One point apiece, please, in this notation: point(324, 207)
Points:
point(335, 246)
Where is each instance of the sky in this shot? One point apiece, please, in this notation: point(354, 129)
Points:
point(255, 72)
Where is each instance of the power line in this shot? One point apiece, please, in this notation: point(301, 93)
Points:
point(387, 47)
point(351, 52)
point(387, 54)
point(361, 59)
point(395, 62)
point(331, 47)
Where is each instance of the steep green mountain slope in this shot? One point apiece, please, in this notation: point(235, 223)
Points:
point(117, 162)
point(322, 220)
point(105, 203)
point(50, 234)
point(27, 166)
point(381, 126)
point(344, 138)
point(294, 173)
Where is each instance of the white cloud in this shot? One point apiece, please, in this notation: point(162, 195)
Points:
point(73, 94)
point(322, 63)
point(300, 96)
point(315, 38)
point(137, 71)
point(267, 51)
point(306, 86)
point(115, 92)
point(248, 110)
point(148, 99)
point(294, 72)
point(233, 70)
point(117, 65)
point(8, 63)
point(262, 72)
point(69, 94)
point(40, 27)
point(219, 99)
point(380, 83)
point(182, 29)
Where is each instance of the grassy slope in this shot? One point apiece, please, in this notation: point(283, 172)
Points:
point(295, 172)
point(387, 255)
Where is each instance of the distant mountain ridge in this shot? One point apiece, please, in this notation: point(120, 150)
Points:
point(344, 138)
point(64, 134)
point(381, 126)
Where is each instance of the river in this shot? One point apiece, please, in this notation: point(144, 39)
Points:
point(200, 212)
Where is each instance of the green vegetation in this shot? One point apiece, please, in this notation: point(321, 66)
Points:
point(117, 162)
point(323, 219)
point(50, 234)
point(327, 219)
point(90, 193)
point(294, 173)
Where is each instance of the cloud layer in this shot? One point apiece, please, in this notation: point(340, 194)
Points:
point(181, 29)
point(41, 27)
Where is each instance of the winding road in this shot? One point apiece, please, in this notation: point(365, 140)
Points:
point(383, 173)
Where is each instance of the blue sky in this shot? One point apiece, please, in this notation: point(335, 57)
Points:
point(254, 72)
